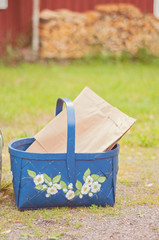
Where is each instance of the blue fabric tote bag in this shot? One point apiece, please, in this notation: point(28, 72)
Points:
point(44, 180)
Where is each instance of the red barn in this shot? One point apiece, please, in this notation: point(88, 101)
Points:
point(15, 16)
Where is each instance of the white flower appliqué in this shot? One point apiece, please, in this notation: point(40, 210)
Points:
point(85, 189)
point(50, 184)
point(80, 196)
point(39, 179)
point(44, 187)
point(70, 186)
point(70, 195)
point(95, 187)
point(52, 190)
point(89, 180)
point(90, 194)
point(65, 190)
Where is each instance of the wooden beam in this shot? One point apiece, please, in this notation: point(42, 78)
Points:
point(156, 8)
point(35, 26)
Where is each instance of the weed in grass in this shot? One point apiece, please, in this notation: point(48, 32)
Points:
point(55, 213)
point(114, 211)
point(68, 219)
point(125, 182)
point(107, 210)
point(94, 209)
point(26, 235)
point(22, 227)
point(140, 214)
point(37, 232)
point(30, 223)
point(155, 227)
point(55, 236)
point(46, 214)
point(142, 199)
point(77, 224)
point(77, 235)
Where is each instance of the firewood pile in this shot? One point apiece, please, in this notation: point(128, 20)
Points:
point(108, 28)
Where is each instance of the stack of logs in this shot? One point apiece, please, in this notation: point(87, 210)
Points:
point(109, 28)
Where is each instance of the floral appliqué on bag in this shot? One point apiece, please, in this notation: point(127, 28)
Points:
point(92, 184)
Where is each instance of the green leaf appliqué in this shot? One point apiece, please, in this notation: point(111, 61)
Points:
point(95, 177)
point(32, 174)
point(63, 185)
point(39, 187)
point(47, 179)
point(56, 179)
point(78, 185)
point(101, 179)
point(77, 192)
point(86, 174)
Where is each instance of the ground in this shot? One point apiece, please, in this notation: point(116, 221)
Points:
point(28, 97)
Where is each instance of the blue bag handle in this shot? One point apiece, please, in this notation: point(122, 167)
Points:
point(70, 135)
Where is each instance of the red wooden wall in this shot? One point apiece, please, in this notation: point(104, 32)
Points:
point(16, 18)
point(82, 5)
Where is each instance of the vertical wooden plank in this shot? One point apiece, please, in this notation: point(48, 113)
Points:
point(13, 21)
point(91, 5)
point(95, 2)
point(3, 31)
point(150, 6)
point(25, 16)
point(142, 5)
point(75, 5)
point(58, 4)
point(41, 5)
point(62, 4)
point(67, 3)
point(35, 26)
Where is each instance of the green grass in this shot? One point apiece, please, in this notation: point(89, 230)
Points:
point(30, 91)
point(28, 97)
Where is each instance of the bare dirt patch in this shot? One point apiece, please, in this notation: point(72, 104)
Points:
point(137, 222)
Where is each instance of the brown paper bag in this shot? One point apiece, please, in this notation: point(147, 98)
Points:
point(98, 127)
